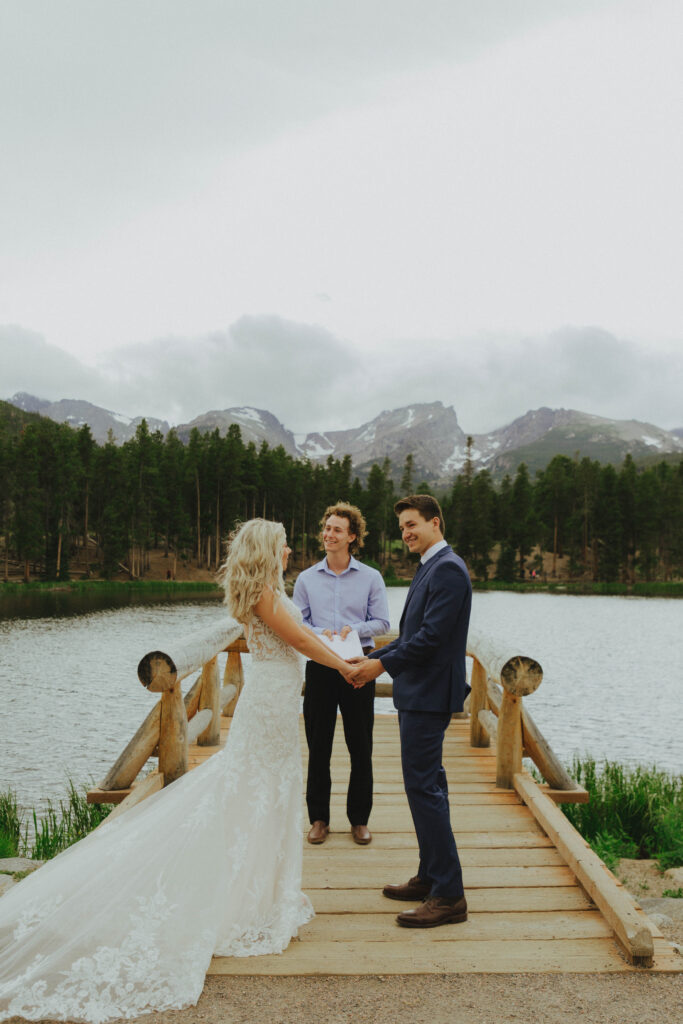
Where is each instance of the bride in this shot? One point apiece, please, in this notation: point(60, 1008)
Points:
point(126, 921)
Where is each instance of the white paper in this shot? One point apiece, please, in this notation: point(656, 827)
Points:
point(349, 647)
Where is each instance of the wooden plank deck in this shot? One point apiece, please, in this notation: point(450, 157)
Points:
point(527, 913)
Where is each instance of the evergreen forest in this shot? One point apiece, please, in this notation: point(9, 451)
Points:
point(69, 506)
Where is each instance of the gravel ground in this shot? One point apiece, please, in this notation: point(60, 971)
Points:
point(420, 999)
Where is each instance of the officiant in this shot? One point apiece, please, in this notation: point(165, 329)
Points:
point(340, 595)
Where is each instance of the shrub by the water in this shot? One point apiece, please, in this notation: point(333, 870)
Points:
point(57, 828)
point(632, 812)
point(10, 825)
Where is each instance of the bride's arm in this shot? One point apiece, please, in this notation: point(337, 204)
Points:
point(301, 639)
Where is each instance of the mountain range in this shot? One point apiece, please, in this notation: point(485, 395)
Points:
point(429, 431)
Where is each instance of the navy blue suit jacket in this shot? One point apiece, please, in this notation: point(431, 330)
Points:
point(427, 661)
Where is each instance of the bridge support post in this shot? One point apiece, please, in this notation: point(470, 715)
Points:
point(478, 702)
point(209, 698)
point(233, 676)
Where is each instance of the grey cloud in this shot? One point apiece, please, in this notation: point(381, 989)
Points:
point(29, 363)
point(299, 372)
point(314, 381)
point(490, 381)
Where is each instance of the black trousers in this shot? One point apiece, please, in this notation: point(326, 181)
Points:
point(325, 692)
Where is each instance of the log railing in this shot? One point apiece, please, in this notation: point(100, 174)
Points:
point(176, 721)
point(501, 677)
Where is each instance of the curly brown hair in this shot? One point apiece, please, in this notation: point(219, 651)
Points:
point(356, 523)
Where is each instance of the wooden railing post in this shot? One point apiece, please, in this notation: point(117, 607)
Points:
point(233, 676)
point(509, 741)
point(478, 702)
point(519, 676)
point(172, 735)
point(209, 699)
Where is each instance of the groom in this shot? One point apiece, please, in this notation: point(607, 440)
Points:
point(427, 665)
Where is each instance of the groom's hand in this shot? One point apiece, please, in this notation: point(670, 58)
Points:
point(367, 669)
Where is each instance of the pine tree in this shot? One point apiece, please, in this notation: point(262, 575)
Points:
point(406, 485)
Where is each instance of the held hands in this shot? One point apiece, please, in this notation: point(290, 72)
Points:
point(364, 670)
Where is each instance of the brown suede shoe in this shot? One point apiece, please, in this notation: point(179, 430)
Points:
point(361, 834)
point(319, 832)
point(414, 890)
point(433, 912)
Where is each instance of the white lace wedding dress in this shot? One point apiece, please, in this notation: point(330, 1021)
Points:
point(127, 920)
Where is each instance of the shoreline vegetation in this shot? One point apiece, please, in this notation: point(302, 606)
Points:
point(634, 813)
point(205, 588)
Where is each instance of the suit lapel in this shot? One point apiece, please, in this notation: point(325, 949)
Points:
point(422, 572)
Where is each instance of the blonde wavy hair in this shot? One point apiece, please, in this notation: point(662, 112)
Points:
point(253, 561)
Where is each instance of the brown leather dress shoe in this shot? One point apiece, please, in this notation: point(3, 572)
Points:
point(361, 834)
point(415, 889)
point(319, 832)
point(433, 912)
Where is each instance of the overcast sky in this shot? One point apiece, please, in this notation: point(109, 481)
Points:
point(328, 208)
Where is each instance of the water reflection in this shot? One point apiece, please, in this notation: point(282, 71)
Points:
point(612, 680)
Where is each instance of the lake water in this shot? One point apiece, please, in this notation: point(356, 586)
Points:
point(612, 685)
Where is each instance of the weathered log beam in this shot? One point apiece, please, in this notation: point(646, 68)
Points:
point(478, 702)
point(140, 791)
point(600, 884)
point(227, 696)
point(517, 673)
point(209, 699)
point(489, 722)
point(233, 676)
point(519, 676)
point(198, 724)
point(159, 670)
point(509, 740)
point(535, 746)
point(543, 756)
point(140, 748)
point(172, 735)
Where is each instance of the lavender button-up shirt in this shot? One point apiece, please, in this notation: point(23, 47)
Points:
point(356, 598)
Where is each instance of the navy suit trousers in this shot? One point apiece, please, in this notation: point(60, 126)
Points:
point(422, 734)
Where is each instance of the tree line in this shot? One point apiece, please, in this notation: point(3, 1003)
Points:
point(67, 503)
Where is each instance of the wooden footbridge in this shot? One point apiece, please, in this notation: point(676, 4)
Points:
point(539, 899)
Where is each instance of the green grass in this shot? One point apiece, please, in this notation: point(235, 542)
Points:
point(10, 825)
point(7, 847)
point(53, 831)
point(112, 586)
point(583, 588)
point(673, 588)
point(632, 812)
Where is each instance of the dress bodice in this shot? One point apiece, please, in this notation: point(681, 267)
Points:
point(264, 644)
